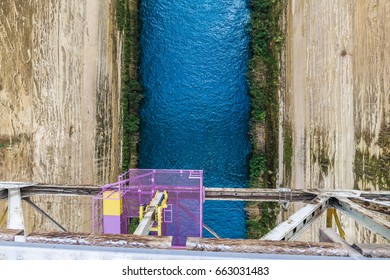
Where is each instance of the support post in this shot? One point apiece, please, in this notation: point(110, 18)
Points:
point(338, 223)
point(329, 215)
point(15, 210)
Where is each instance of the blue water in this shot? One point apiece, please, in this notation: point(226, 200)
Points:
point(195, 113)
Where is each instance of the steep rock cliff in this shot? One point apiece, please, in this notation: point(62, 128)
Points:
point(59, 100)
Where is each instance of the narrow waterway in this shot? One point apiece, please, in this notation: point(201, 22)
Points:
point(195, 114)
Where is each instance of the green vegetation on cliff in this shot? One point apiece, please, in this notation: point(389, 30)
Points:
point(132, 93)
point(263, 76)
point(373, 170)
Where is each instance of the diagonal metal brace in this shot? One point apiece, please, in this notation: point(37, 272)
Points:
point(39, 210)
point(367, 218)
point(293, 227)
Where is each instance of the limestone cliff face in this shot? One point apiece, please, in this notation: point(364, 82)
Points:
point(337, 106)
point(59, 99)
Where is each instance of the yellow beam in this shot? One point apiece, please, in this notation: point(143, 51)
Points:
point(329, 214)
point(339, 227)
point(4, 215)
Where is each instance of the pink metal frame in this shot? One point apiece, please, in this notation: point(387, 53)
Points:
point(138, 186)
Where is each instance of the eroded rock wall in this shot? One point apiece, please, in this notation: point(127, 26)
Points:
point(59, 100)
point(337, 98)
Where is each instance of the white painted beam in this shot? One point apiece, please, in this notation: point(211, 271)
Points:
point(15, 185)
point(147, 221)
point(15, 210)
point(293, 227)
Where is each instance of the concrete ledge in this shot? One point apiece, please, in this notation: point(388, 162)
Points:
point(9, 234)
point(373, 250)
point(106, 240)
point(329, 235)
point(266, 247)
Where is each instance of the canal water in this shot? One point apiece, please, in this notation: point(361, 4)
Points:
point(195, 114)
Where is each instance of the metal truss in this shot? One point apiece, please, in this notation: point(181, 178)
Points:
point(365, 207)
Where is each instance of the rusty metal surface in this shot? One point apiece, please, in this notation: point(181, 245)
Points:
point(377, 206)
point(210, 193)
point(253, 194)
point(267, 247)
point(378, 195)
point(105, 240)
point(44, 189)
